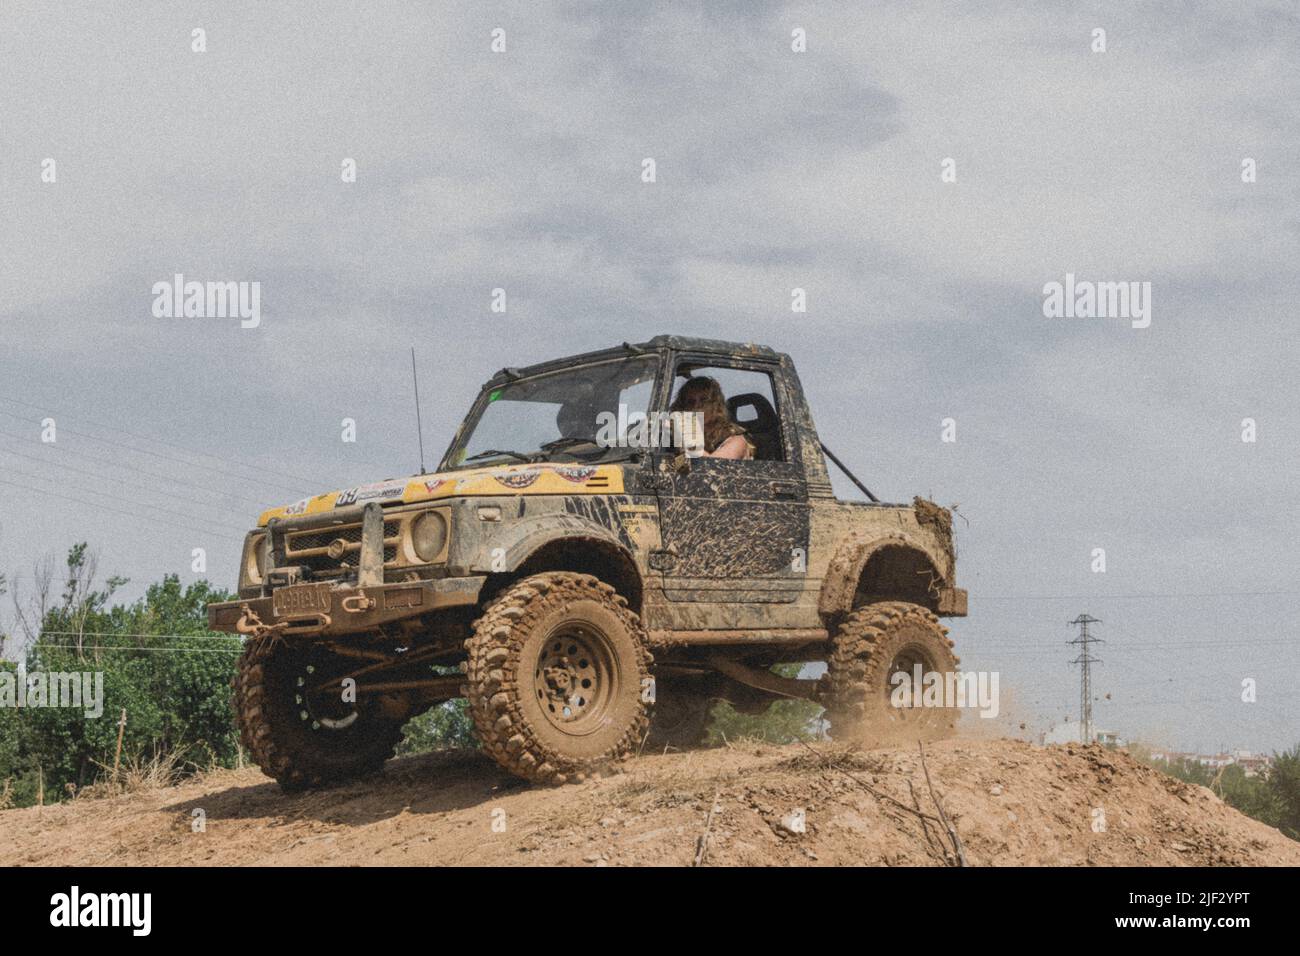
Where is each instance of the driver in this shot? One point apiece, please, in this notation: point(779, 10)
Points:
point(723, 438)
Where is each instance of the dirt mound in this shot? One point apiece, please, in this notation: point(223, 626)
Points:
point(1009, 802)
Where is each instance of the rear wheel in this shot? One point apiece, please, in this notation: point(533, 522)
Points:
point(860, 688)
point(297, 722)
point(557, 675)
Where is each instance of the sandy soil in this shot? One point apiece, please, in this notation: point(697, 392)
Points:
point(1010, 804)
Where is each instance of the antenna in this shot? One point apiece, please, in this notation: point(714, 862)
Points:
point(419, 427)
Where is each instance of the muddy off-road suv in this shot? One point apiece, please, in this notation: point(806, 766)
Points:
point(590, 592)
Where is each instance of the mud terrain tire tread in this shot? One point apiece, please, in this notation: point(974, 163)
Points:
point(493, 660)
point(856, 670)
point(266, 741)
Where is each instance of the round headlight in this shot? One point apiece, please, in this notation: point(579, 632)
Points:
point(429, 536)
point(255, 558)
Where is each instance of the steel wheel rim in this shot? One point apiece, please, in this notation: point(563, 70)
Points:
point(309, 707)
point(574, 678)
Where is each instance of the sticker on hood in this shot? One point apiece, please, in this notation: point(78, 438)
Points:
point(574, 473)
point(517, 479)
point(377, 491)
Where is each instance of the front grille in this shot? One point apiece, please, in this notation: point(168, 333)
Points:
point(349, 534)
point(308, 548)
point(308, 540)
point(323, 565)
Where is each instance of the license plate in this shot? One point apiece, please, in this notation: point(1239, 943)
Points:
point(301, 600)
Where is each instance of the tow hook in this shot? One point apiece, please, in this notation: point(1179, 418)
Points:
point(252, 625)
point(249, 622)
point(357, 603)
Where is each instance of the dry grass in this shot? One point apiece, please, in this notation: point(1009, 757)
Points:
point(670, 783)
point(138, 774)
point(1011, 804)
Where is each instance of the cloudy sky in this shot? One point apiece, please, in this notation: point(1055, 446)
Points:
point(775, 170)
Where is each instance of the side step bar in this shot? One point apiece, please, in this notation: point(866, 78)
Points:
point(810, 635)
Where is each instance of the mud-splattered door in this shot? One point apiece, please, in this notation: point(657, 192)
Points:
point(734, 532)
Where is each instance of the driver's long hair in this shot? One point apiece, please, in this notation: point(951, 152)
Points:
point(704, 395)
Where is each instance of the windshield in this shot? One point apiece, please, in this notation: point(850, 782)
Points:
point(576, 414)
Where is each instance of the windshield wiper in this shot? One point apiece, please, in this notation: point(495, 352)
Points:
point(559, 443)
point(570, 445)
point(496, 453)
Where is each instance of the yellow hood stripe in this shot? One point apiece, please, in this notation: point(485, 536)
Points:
point(541, 479)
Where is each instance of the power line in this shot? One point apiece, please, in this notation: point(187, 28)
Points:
point(1216, 676)
point(152, 440)
point(186, 482)
point(153, 454)
point(123, 647)
point(126, 514)
point(100, 494)
point(1156, 646)
point(108, 478)
point(1270, 712)
point(1130, 597)
point(207, 635)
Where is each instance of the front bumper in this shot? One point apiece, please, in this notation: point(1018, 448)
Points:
point(335, 609)
point(952, 602)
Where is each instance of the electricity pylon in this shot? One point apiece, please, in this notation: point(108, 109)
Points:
point(1086, 659)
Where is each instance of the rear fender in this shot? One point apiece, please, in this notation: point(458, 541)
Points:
point(843, 575)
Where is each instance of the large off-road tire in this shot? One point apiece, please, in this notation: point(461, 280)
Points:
point(302, 738)
point(683, 706)
point(871, 644)
point(557, 675)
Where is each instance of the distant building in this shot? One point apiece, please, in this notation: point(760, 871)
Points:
point(1252, 764)
point(1071, 732)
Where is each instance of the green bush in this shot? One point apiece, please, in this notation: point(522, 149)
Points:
point(1273, 798)
point(159, 664)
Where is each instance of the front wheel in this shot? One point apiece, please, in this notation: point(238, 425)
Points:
point(297, 722)
point(558, 678)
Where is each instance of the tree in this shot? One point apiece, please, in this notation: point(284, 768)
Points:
point(447, 726)
point(784, 721)
point(1251, 795)
point(1273, 799)
point(156, 660)
point(1284, 786)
